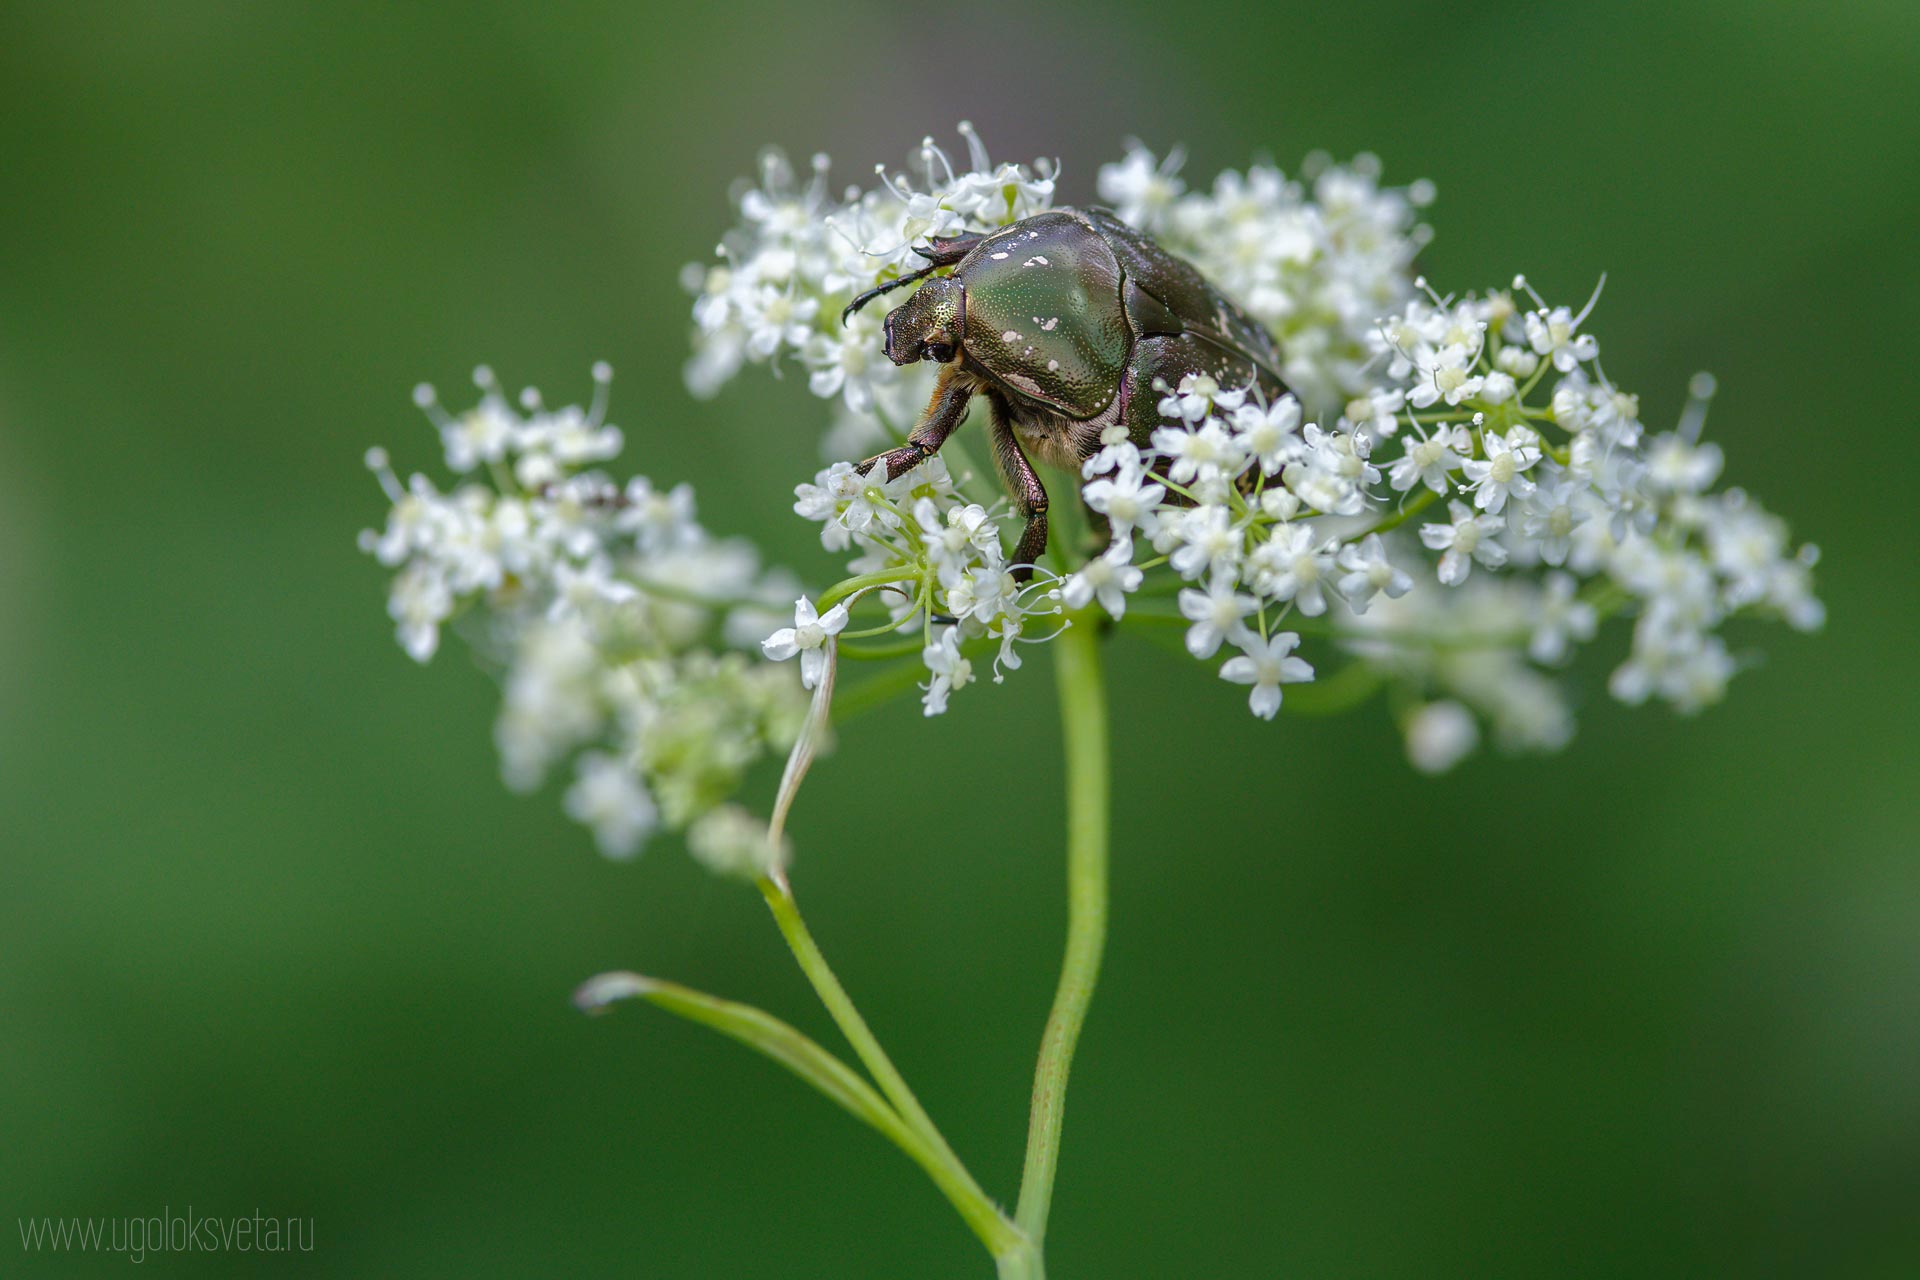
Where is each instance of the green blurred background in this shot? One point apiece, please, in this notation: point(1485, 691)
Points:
point(272, 935)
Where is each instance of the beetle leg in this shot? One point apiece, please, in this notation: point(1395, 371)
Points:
point(1029, 495)
point(1099, 530)
point(944, 412)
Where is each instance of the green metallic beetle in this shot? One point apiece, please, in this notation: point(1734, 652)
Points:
point(1064, 322)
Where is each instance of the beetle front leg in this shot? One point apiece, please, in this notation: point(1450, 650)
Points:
point(945, 411)
point(1029, 495)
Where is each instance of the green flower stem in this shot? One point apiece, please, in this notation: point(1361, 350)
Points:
point(877, 690)
point(1001, 1237)
point(882, 652)
point(1083, 716)
point(686, 595)
point(890, 682)
point(1420, 502)
point(1340, 692)
point(841, 590)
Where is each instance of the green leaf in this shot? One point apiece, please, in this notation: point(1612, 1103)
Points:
point(762, 1032)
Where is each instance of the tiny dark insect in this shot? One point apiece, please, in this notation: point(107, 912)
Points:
point(1063, 322)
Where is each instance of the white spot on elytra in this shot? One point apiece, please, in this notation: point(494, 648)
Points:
point(997, 256)
point(1048, 326)
point(1052, 365)
point(1036, 261)
point(1011, 335)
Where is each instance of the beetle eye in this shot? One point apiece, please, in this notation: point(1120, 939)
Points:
point(940, 351)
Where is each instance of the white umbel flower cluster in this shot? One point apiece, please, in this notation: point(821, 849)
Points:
point(935, 563)
point(1453, 500)
point(1317, 260)
point(1559, 510)
point(616, 620)
point(799, 255)
point(1318, 266)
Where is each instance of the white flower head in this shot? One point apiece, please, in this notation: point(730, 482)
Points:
point(1504, 469)
point(1107, 578)
point(1217, 614)
point(1370, 573)
point(1431, 460)
point(1266, 665)
point(950, 670)
point(729, 841)
point(807, 637)
point(1440, 735)
point(1465, 539)
point(608, 796)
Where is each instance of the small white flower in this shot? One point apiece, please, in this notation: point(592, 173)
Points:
point(1369, 573)
point(1440, 735)
point(954, 542)
point(1554, 512)
point(659, 521)
point(949, 669)
point(1498, 388)
point(1377, 413)
point(1467, 538)
point(1191, 401)
point(1117, 451)
point(1216, 614)
point(1516, 362)
point(780, 317)
point(1127, 499)
point(729, 841)
point(1553, 334)
point(1269, 434)
point(419, 602)
point(1675, 466)
point(480, 435)
point(1431, 460)
point(983, 593)
point(579, 590)
point(1560, 617)
point(1294, 564)
point(608, 796)
point(570, 435)
point(808, 638)
point(1200, 453)
point(1106, 578)
point(1504, 469)
point(1446, 375)
point(1209, 543)
point(1334, 474)
point(1140, 191)
point(1266, 665)
point(1688, 668)
point(837, 498)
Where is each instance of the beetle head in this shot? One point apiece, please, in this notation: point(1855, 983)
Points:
point(928, 325)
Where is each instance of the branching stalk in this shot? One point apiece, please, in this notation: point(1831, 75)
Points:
point(982, 1216)
point(1083, 715)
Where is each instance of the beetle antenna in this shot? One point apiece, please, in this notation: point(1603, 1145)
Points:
point(888, 287)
